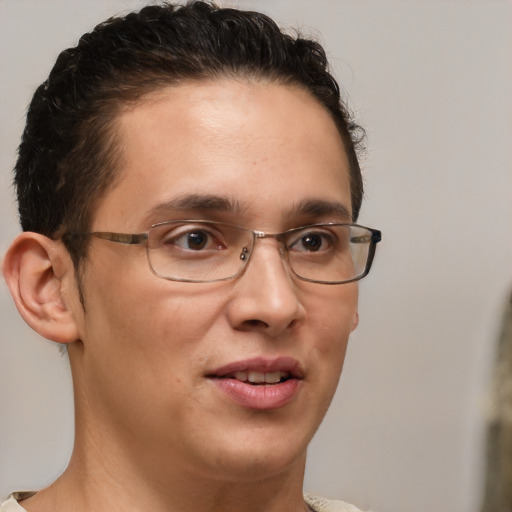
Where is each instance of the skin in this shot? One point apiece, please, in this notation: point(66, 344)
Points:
point(151, 429)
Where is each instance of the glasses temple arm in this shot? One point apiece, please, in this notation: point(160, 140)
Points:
point(122, 238)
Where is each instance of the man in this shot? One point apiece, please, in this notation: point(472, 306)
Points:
point(188, 186)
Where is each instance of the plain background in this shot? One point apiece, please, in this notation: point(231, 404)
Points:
point(431, 81)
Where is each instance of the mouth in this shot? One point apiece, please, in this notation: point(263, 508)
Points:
point(260, 370)
point(259, 378)
point(259, 383)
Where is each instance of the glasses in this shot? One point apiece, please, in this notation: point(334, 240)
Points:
point(197, 251)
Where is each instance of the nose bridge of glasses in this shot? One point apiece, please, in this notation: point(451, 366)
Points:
point(260, 235)
point(280, 239)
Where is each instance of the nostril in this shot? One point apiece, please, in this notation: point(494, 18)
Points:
point(256, 323)
point(260, 324)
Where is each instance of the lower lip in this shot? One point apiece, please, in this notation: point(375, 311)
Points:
point(259, 396)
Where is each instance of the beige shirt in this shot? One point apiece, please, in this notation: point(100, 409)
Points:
point(316, 503)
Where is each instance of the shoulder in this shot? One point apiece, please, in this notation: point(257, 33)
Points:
point(11, 503)
point(319, 504)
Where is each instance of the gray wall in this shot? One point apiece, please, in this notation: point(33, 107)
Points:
point(431, 80)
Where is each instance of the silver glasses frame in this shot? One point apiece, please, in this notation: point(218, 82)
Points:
point(142, 239)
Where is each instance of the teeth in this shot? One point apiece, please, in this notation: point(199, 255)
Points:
point(260, 377)
point(273, 377)
point(240, 376)
point(256, 377)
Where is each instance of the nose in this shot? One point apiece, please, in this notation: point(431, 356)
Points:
point(265, 296)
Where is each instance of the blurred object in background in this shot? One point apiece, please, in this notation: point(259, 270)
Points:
point(498, 489)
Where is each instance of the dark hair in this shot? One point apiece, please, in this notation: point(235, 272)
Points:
point(68, 156)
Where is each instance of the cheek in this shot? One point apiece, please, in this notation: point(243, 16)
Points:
point(335, 318)
point(142, 339)
point(147, 318)
point(336, 315)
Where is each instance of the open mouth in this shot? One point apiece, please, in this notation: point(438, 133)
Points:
point(260, 383)
point(259, 378)
point(260, 371)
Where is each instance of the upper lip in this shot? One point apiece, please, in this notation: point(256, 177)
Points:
point(261, 364)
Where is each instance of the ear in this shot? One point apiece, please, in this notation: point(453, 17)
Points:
point(40, 276)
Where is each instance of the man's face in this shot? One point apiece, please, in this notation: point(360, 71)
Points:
point(156, 367)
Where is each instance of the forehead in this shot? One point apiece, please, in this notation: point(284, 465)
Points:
point(257, 146)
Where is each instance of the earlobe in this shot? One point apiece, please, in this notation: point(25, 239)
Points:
point(37, 272)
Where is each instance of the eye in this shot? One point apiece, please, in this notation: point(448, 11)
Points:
point(312, 242)
point(196, 240)
point(193, 238)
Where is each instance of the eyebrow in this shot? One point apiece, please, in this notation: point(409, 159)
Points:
point(197, 202)
point(209, 203)
point(321, 208)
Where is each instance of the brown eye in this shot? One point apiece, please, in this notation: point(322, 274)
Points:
point(312, 242)
point(195, 240)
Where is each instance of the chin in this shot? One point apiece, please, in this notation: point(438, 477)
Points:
point(253, 466)
point(259, 454)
